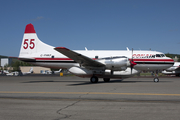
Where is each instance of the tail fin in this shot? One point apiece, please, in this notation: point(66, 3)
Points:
point(31, 45)
point(31, 70)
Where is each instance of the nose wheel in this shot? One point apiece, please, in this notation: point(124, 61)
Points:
point(156, 79)
point(155, 74)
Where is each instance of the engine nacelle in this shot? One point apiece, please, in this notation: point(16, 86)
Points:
point(80, 71)
point(115, 63)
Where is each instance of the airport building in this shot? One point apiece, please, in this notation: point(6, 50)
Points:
point(5, 61)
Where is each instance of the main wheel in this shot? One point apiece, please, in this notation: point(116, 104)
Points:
point(178, 75)
point(156, 79)
point(94, 79)
point(106, 79)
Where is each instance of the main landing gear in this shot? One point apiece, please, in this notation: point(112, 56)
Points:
point(95, 79)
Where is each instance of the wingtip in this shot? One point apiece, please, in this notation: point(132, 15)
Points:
point(29, 28)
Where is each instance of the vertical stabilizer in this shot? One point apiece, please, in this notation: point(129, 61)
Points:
point(31, 45)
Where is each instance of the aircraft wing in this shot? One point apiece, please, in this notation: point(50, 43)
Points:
point(79, 58)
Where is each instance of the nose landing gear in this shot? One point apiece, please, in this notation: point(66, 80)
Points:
point(156, 79)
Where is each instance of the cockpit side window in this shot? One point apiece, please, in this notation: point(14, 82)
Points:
point(153, 56)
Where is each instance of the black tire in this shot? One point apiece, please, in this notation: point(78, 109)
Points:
point(178, 75)
point(156, 79)
point(106, 79)
point(94, 79)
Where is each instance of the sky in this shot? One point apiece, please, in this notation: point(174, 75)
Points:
point(95, 24)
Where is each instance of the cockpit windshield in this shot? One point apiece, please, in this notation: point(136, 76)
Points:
point(160, 55)
point(163, 55)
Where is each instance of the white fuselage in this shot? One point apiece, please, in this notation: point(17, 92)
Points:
point(38, 53)
point(54, 59)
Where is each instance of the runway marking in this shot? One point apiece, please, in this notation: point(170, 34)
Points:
point(88, 93)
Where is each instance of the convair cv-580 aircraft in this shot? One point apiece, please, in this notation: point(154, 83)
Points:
point(94, 64)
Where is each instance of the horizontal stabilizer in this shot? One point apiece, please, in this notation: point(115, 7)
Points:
point(27, 59)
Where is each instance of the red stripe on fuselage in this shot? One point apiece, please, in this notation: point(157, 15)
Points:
point(135, 60)
point(153, 60)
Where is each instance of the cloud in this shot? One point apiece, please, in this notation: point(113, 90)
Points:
point(38, 18)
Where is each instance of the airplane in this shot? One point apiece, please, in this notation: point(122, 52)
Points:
point(174, 70)
point(51, 72)
point(5, 71)
point(13, 73)
point(93, 64)
point(26, 73)
point(16, 73)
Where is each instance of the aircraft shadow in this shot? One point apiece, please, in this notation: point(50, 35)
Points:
point(89, 83)
point(102, 82)
point(114, 81)
point(48, 81)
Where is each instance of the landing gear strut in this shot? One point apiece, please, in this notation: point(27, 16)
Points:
point(94, 79)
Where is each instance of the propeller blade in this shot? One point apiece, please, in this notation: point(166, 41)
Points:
point(132, 62)
point(132, 54)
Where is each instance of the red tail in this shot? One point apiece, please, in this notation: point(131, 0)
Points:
point(29, 29)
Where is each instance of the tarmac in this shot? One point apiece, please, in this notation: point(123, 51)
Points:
point(48, 97)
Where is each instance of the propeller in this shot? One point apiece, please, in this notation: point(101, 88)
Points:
point(132, 63)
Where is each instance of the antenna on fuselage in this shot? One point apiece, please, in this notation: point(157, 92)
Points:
point(86, 49)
